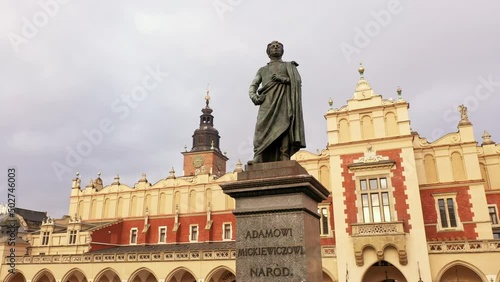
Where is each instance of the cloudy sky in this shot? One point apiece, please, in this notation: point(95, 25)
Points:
point(122, 82)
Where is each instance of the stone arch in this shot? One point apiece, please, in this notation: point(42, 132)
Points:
point(457, 164)
point(105, 210)
point(324, 176)
point(192, 201)
point(119, 208)
point(74, 275)
point(366, 127)
point(93, 209)
point(462, 268)
point(328, 276)
point(107, 275)
point(430, 169)
point(133, 206)
point(44, 275)
point(181, 274)
point(143, 274)
point(17, 277)
point(391, 124)
point(163, 203)
point(485, 175)
point(344, 134)
point(383, 271)
point(221, 274)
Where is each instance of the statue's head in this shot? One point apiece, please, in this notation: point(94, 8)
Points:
point(275, 49)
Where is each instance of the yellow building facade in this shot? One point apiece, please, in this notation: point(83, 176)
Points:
point(401, 209)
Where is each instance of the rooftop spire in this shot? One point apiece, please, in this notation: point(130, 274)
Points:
point(207, 97)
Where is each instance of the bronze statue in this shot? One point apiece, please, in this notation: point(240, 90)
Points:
point(279, 131)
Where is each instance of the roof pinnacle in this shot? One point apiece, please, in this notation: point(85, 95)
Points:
point(361, 70)
point(207, 98)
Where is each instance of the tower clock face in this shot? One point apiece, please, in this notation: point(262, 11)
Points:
point(198, 161)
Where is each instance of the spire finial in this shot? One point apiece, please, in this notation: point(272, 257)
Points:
point(399, 91)
point(116, 180)
point(239, 166)
point(361, 70)
point(171, 174)
point(330, 103)
point(185, 148)
point(207, 97)
point(487, 138)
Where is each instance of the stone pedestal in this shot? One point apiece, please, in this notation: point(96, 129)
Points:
point(277, 223)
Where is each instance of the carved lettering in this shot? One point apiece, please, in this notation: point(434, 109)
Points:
point(265, 251)
point(270, 272)
point(269, 233)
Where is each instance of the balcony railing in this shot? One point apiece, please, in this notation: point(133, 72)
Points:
point(380, 228)
point(326, 251)
point(464, 246)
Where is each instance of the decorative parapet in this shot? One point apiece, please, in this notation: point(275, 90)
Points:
point(464, 247)
point(382, 228)
point(379, 236)
point(326, 251)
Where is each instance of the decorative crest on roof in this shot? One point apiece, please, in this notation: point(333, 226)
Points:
point(370, 156)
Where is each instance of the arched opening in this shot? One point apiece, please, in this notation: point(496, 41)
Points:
point(460, 272)
point(107, 275)
point(383, 271)
point(344, 134)
point(105, 212)
point(133, 206)
point(74, 275)
point(181, 275)
point(367, 127)
point(93, 209)
point(192, 201)
point(119, 208)
point(18, 277)
point(391, 124)
point(147, 205)
point(327, 277)
point(143, 275)
point(457, 163)
point(80, 208)
point(44, 275)
point(221, 274)
point(430, 169)
point(324, 176)
point(163, 203)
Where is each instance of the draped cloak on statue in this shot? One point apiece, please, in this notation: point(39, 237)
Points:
point(280, 114)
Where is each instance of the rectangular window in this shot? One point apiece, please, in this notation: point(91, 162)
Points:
point(193, 236)
point(324, 222)
point(375, 204)
point(447, 212)
point(162, 234)
point(493, 215)
point(72, 237)
point(133, 236)
point(227, 231)
point(45, 238)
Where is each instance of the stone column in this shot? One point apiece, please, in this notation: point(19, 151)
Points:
point(277, 223)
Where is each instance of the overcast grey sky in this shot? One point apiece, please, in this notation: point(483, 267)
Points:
point(71, 68)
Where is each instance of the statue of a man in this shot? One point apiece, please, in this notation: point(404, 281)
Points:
point(279, 131)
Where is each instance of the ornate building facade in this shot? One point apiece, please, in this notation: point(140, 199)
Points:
point(401, 209)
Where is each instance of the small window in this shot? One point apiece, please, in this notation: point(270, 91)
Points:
point(446, 207)
point(324, 221)
point(133, 236)
point(45, 238)
point(162, 234)
point(375, 203)
point(493, 214)
point(227, 231)
point(72, 237)
point(193, 236)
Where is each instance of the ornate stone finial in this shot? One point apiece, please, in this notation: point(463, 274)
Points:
point(212, 145)
point(91, 184)
point(464, 117)
point(98, 180)
point(361, 70)
point(225, 153)
point(143, 178)
point(487, 138)
point(185, 148)
point(330, 103)
point(99, 174)
point(399, 91)
point(207, 98)
point(117, 180)
point(171, 174)
point(76, 181)
point(239, 167)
